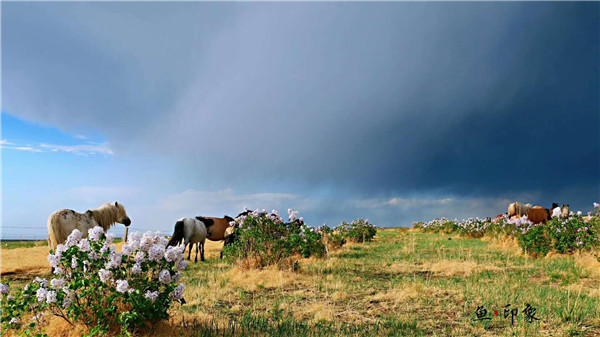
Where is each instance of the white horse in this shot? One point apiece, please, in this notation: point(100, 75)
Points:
point(191, 231)
point(561, 212)
point(62, 223)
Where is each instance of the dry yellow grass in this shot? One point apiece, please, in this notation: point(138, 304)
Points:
point(590, 263)
point(269, 278)
point(454, 267)
point(398, 295)
point(443, 267)
point(24, 261)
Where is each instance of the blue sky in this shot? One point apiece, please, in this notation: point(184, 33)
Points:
point(395, 112)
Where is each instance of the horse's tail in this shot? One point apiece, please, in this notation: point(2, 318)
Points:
point(177, 233)
point(54, 231)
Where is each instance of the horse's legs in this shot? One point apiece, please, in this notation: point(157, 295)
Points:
point(196, 259)
point(190, 251)
point(202, 250)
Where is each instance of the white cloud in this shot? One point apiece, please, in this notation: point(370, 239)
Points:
point(19, 148)
point(83, 149)
point(80, 149)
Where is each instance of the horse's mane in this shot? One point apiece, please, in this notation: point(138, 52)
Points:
point(107, 214)
point(208, 222)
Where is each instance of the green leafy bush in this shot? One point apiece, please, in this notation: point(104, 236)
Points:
point(104, 289)
point(333, 239)
point(264, 239)
point(359, 230)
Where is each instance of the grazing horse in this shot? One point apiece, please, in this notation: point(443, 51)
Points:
point(518, 209)
point(61, 223)
point(219, 228)
point(191, 231)
point(538, 214)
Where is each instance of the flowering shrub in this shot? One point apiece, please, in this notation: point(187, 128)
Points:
point(332, 238)
point(359, 230)
point(442, 225)
point(565, 235)
point(575, 233)
point(100, 287)
point(264, 239)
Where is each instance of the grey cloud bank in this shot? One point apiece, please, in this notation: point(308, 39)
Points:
point(393, 111)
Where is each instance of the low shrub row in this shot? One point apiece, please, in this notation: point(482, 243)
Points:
point(263, 239)
point(561, 235)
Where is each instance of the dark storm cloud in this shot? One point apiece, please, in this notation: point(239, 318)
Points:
point(368, 99)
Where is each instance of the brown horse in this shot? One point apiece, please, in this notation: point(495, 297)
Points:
point(215, 227)
point(538, 214)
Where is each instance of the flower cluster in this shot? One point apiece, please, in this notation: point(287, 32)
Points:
point(102, 287)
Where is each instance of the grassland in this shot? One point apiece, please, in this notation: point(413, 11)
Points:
point(404, 283)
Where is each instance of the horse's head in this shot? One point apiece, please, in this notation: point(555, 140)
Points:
point(244, 213)
point(177, 234)
point(548, 214)
point(230, 236)
point(122, 215)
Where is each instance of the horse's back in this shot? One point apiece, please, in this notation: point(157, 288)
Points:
point(538, 214)
point(194, 230)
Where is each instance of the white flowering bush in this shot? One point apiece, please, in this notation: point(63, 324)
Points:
point(100, 287)
point(264, 239)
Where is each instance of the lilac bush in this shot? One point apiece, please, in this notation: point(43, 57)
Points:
point(332, 237)
point(359, 230)
point(264, 239)
point(100, 287)
point(441, 225)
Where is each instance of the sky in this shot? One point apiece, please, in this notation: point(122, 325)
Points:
point(392, 111)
